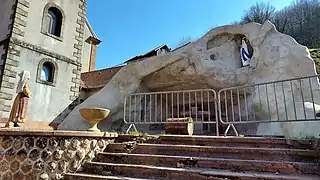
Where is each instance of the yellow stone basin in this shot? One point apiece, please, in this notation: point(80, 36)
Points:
point(94, 116)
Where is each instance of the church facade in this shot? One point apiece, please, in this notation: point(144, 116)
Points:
point(53, 40)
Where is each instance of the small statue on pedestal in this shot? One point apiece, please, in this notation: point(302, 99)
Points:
point(20, 105)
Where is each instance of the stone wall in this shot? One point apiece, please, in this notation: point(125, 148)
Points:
point(7, 64)
point(75, 89)
point(29, 45)
point(47, 155)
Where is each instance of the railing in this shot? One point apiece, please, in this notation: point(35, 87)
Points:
point(279, 101)
point(287, 100)
point(158, 107)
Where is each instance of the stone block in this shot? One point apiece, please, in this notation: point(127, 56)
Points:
point(78, 59)
point(81, 36)
point(81, 14)
point(6, 96)
point(5, 108)
point(8, 68)
point(20, 22)
point(82, 7)
point(77, 85)
point(18, 32)
point(79, 30)
point(24, 3)
point(21, 11)
point(75, 54)
point(72, 97)
point(78, 46)
point(10, 73)
point(6, 79)
point(77, 74)
point(14, 52)
point(75, 80)
point(79, 21)
point(81, 27)
point(74, 89)
point(11, 62)
point(19, 16)
point(78, 38)
point(9, 85)
point(75, 71)
point(13, 57)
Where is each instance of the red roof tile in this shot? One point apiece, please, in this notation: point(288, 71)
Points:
point(99, 78)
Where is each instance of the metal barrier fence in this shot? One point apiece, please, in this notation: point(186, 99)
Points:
point(279, 101)
point(287, 100)
point(158, 107)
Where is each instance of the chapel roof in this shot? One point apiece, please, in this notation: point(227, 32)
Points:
point(98, 78)
point(149, 53)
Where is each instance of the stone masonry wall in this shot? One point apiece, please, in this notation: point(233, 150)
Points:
point(9, 63)
point(47, 155)
point(75, 89)
point(17, 42)
point(7, 10)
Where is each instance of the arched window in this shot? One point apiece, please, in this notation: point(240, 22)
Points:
point(54, 21)
point(47, 72)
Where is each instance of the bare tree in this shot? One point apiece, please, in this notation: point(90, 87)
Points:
point(300, 20)
point(259, 13)
point(281, 19)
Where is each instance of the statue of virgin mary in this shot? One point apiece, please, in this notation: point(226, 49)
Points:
point(244, 53)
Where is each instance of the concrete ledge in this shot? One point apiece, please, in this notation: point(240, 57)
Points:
point(55, 133)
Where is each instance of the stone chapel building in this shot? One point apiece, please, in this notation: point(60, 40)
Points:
point(53, 40)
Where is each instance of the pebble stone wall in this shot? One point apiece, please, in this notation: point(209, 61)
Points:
point(47, 156)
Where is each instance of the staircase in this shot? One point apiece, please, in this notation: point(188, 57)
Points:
point(204, 158)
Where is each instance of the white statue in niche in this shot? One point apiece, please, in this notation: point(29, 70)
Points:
point(244, 53)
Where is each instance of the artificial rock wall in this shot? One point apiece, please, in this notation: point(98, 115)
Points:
point(213, 62)
point(47, 155)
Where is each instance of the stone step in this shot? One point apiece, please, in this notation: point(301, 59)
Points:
point(210, 163)
point(80, 176)
point(145, 171)
point(270, 154)
point(263, 142)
